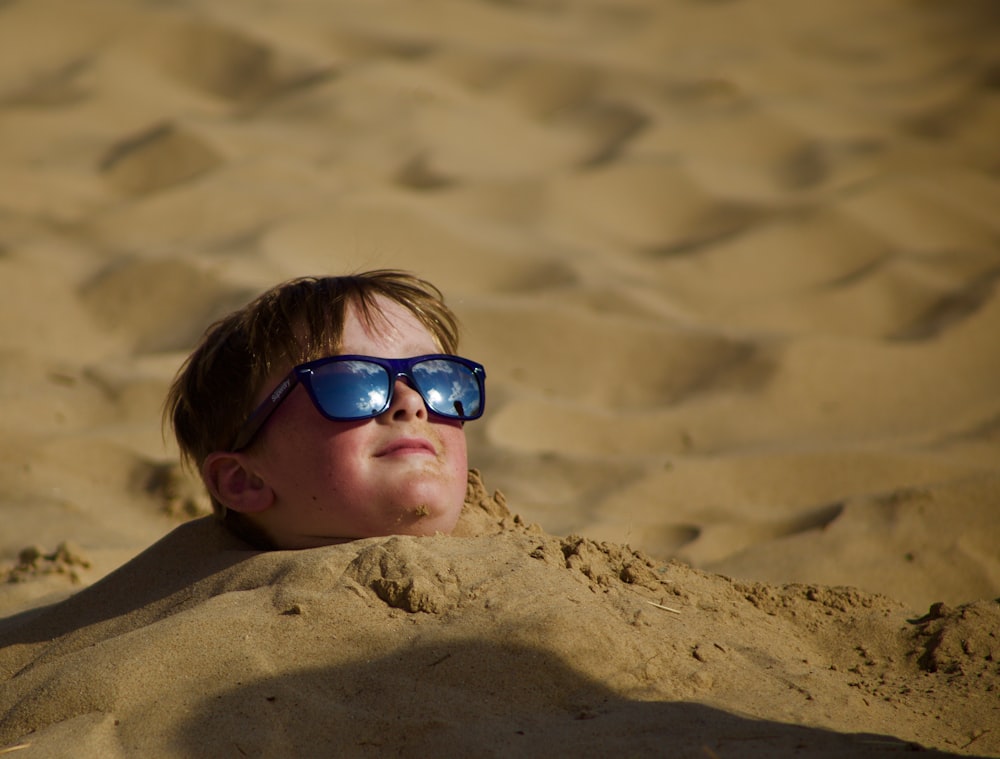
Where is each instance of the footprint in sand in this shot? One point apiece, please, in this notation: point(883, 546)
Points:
point(651, 206)
point(722, 541)
point(224, 62)
point(569, 95)
point(620, 364)
point(157, 158)
point(159, 304)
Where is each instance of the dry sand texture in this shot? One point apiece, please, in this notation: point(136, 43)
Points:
point(732, 268)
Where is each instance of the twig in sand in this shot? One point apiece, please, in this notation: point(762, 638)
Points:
point(661, 606)
point(976, 736)
point(18, 747)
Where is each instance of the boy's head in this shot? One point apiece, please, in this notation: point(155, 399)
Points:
point(292, 458)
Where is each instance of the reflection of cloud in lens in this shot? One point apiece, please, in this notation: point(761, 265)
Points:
point(436, 366)
point(362, 367)
point(464, 392)
point(361, 372)
point(376, 399)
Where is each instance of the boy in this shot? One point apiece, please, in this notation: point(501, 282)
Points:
point(310, 421)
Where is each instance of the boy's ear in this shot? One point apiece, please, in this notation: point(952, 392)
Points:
point(234, 485)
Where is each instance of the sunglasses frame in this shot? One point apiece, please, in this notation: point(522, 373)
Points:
point(397, 368)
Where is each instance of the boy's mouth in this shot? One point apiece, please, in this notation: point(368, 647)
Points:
point(406, 445)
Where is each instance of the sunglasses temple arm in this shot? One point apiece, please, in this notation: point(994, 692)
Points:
point(263, 412)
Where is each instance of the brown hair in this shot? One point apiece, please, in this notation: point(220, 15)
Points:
point(297, 321)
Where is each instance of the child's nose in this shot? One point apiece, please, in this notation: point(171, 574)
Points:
point(406, 401)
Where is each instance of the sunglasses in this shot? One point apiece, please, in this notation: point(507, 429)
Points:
point(349, 388)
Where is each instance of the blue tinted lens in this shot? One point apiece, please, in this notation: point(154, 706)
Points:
point(449, 388)
point(351, 389)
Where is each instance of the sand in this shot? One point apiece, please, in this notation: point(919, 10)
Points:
point(732, 268)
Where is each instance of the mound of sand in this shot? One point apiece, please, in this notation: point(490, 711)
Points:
point(508, 641)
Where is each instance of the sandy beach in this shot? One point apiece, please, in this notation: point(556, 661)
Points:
point(732, 268)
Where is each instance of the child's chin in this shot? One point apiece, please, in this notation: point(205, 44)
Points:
point(425, 521)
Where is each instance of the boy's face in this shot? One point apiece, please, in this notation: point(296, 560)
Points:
point(403, 472)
